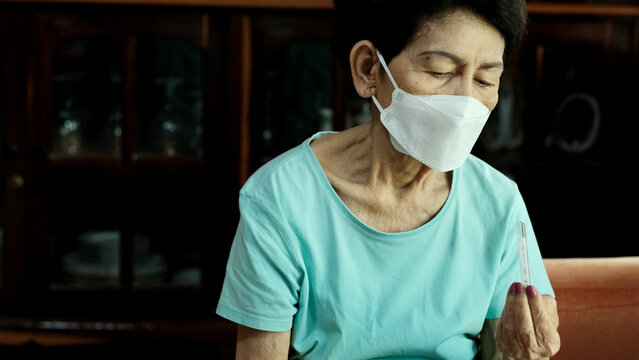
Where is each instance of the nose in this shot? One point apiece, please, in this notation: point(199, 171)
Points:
point(463, 86)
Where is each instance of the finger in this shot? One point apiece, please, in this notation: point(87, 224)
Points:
point(551, 305)
point(523, 318)
point(504, 336)
point(517, 334)
point(515, 299)
point(506, 341)
point(543, 309)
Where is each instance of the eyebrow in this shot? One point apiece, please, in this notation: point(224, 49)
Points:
point(459, 61)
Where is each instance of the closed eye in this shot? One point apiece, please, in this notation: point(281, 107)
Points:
point(484, 83)
point(441, 75)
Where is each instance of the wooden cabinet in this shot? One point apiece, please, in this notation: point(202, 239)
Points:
point(126, 133)
point(128, 127)
point(114, 168)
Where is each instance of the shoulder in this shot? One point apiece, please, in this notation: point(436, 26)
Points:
point(284, 194)
point(290, 174)
point(485, 171)
point(478, 173)
point(481, 184)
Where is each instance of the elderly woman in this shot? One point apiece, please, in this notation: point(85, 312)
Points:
point(388, 240)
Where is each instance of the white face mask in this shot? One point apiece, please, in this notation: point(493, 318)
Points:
point(437, 130)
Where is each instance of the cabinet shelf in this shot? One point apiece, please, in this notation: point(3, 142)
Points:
point(551, 8)
point(299, 4)
point(582, 9)
point(99, 326)
point(172, 164)
point(83, 162)
point(113, 163)
point(211, 335)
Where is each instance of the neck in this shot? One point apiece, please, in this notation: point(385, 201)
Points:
point(388, 167)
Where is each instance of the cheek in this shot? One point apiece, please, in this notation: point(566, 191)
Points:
point(384, 94)
point(490, 100)
point(384, 90)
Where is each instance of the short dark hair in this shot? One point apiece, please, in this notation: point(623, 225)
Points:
point(391, 24)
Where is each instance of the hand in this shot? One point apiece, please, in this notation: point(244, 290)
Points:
point(528, 326)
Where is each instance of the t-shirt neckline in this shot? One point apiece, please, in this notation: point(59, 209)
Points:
point(317, 168)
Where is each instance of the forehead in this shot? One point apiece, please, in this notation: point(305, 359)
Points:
point(460, 32)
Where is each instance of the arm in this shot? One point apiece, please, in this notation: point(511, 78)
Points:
point(488, 346)
point(255, 344)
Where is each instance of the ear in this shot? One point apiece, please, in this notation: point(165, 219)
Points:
point(364, 65)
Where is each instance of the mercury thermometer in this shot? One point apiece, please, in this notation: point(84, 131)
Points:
point(523, 254)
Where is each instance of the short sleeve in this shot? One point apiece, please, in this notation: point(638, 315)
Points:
point(261, 283)
point(509, 270)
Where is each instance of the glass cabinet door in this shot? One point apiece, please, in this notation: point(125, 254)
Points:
point(85, 123)
point(84, 216)
point(169, 230)
point(86, 95)
point(293, 88)
point(298, 86)
point(169, 89)
point(168, 177)
point(125, 150)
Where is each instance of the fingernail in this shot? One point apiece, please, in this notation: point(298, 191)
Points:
point(530, 291)
point(518, 288)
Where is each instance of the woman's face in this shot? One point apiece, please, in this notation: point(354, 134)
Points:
point(456, 54)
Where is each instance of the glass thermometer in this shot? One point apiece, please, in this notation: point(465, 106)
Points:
point(523, 254)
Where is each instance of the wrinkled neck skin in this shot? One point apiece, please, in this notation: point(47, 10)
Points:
point(364, 156)
point(386, 189)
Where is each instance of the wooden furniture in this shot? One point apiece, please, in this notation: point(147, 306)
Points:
point(598, 304)
point(139, 120)
point(126, 134)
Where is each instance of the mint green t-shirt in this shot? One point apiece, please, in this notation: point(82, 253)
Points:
point(301, 260)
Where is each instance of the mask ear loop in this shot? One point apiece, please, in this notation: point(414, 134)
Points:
point(381, 60)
